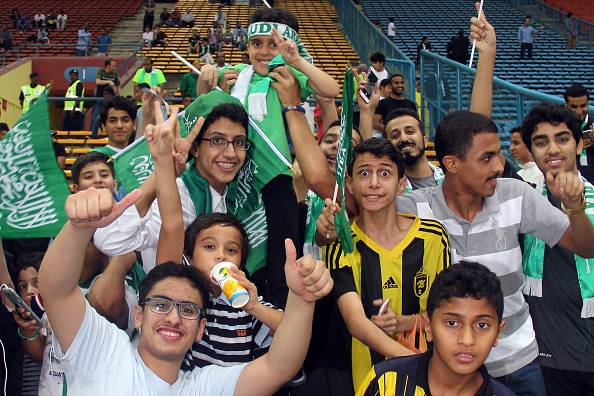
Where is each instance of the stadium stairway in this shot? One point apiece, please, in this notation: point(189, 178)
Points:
point(129, 29)
point(318, 30)
point(553, 68)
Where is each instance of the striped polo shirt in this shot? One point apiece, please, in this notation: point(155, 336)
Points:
point(231, 337)
point(491, 239)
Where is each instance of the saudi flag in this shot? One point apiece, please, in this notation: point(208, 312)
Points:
point(33, 188)
point(343, 159)
point(133, 165)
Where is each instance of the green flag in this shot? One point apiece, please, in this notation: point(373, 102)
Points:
point(33, 188)
point(133, 165)
point(343, 159)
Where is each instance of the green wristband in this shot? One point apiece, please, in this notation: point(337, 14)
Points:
point(28, 339)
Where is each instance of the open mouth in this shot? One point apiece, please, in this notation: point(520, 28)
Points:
point(170, 334)
point(226, 166)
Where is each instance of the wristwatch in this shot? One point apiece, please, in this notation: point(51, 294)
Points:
point(288, 108)
point(580, 210)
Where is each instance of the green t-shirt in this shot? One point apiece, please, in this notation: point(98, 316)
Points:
point(187, 85)
point(105, 75)
point(154, 78)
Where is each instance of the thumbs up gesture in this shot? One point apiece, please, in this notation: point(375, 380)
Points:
point(95, 208)
point(307, 278)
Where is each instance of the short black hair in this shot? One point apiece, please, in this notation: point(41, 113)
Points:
point(119, 103)
point(143, 85)
point(108, 61)
point(4, 127)
point(576, 91)
point(174, 270)
point(337, 123)
point(463, 280)
point(552, 114)
point(377, 57)
point(23, 261)
point(208, 220)
point(232, 111)
point(379, 147)
point(89, 158)
point(569, 14)
point(396, 75)
point(385, 82)
point(278, 15)
point(454, 134)
point(401, 112)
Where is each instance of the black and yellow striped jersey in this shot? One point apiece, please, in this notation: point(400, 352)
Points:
point(409, 376)
point(404, 274)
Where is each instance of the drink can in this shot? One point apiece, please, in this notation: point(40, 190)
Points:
point(237, 295)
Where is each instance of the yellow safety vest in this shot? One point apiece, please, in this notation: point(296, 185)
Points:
point(30, 94)
point(71, 93)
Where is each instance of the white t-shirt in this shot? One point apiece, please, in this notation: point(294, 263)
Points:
point(391, 29)
point(51, 379)
point(380, 75)
point(102, 361)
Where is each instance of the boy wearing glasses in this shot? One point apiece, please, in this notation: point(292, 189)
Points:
point(218, 145)
point(99, 359)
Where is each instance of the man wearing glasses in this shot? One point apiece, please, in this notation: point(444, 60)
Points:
point(99, 359)
point(219, 152)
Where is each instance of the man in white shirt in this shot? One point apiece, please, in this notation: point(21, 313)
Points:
point(520, 152)
point(391, 28)
point(98, 358)
point(378, 61)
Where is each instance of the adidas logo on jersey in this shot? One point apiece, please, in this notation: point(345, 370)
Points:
point(390, 284)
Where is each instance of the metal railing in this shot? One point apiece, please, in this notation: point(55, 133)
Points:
point(366, 39)
point(446, 86)
point(40, 50)
point(554, 19)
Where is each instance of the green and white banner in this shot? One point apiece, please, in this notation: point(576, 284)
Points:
point(343, 159)
point(133, 165)
point(33, 188)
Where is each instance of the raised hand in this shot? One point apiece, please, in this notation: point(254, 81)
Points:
point(568, 187)
point(228, 80)
point(160, 137)
point(307, 278)
point(286, 85)
point(182, 146)
point(95, 208)
point(208, 79)
point(373, 100)
point(482, 31)
point(325, 222)
point(288, 49)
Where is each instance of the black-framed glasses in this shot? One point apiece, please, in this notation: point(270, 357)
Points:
point(220, 143)
point(163, 305)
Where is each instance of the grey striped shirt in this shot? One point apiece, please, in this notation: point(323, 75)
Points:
point(492, 240)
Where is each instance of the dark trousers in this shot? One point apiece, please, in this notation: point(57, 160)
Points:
point(526, 47)
point(567, 382)
point(527, 381)
point(148, 21)
point(73, 120)
point(282, 218)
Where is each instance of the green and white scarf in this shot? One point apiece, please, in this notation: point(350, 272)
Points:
point(437, 176)
point(315, 205)
point(533, 260)
point(252, 215)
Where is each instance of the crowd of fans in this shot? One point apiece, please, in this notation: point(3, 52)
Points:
point(463, 277)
